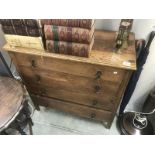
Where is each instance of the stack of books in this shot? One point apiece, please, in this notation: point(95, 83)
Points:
point(69, 36)
point(23, 33)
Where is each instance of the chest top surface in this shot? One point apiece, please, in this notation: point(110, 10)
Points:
point(103, 52)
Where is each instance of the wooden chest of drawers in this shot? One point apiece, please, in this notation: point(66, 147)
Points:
point(89, 87)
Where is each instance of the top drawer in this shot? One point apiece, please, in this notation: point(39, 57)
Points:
point(67, 66)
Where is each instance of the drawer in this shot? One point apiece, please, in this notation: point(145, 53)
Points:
point(96, 72)
point(83, 111)
point(63, 81)
point(84, 99)
point(70, 88)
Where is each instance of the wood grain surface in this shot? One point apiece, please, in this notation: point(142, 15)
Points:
point(103, 52)
point(74, 68)
point(11, 96)
point(83, 111)
point(90, 87)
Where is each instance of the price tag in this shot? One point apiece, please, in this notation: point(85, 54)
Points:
point(126, 63)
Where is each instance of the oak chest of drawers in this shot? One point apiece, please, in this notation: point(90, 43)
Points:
point(89, 87)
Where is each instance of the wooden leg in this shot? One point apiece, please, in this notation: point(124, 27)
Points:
point(106, 124)
point(30, 128)
point(37, 107)
point(29, 121)
point(19, 128)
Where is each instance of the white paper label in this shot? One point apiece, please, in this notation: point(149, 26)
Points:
point(126, 63)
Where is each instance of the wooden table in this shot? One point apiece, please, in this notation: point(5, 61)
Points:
point(88, 87)
point(11, 97)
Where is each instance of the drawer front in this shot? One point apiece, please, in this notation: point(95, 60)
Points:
point(83, 111)
point(62, 81)
point(70, 88)
point(96, 72)
point(83, 99)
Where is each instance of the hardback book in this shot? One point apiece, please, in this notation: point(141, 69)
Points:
point(69, 48)
point(83, 23)
point(32, 23)
point(20, 22)
point(69, 34)
point(6, 22)
point(24, 41)
point(8, 30)
point(22, 30)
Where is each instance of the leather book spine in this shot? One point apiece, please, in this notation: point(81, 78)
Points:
point(82, 23)
point(34, 32)
point(17, 22)
point(12, 22)
point(22, 30)
point(20, 22)
point(68, 48)
point(31, 23)
point(69, 34)
point(6, 22)
point(8, 30)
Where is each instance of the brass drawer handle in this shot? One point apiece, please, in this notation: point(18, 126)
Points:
point(97, 88)
point(98, 75)
point(93, 115)
point(38, 78)
point(33, 63)
point(95, 102)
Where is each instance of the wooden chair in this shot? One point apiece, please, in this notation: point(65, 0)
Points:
point(14, 112)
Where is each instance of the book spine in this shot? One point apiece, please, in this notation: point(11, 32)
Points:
point(8, 30)
point(83, 23)
point(25, 41)
point(70, 34)
point(22, 30)
point(6, 22)
point(62, 47)
point(17, 22)
point(31, 23)
point(20, 22)
point(35, 32)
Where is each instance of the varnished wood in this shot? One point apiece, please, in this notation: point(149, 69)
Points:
point(102, 54)
point(58, 80)
point(76, 109)
point(85, 99)
point(68, 83)
point(119, 97)
point(69, 87)
point(11, 96)
point(79, 69)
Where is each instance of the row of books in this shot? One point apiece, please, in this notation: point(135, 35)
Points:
point(72, 37)
point(27, 27)
point(23, 33)
point(64, 36)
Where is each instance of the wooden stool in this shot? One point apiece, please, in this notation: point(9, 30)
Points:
point(13, 106)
